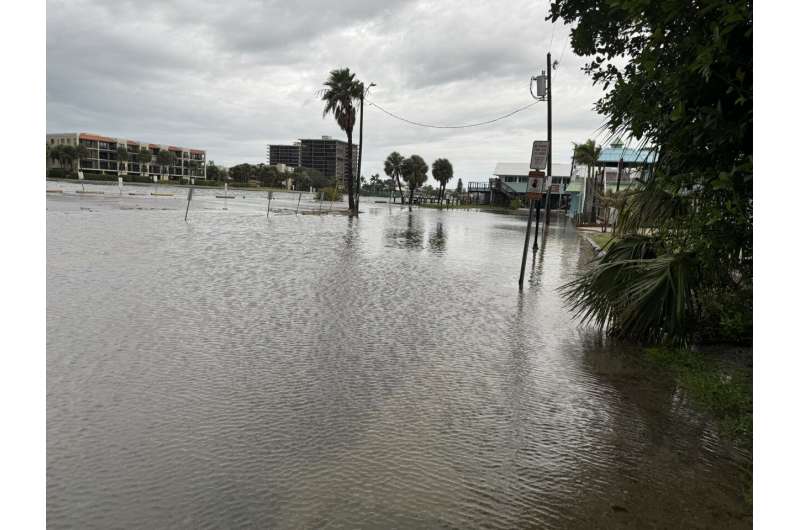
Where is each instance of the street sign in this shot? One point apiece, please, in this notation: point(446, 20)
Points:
point(539, 154)
point(534, 196)
point(536, 182)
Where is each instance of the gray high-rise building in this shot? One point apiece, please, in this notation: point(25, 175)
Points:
point(326, 155)
point(288, 155)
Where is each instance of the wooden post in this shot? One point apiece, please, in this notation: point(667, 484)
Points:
point(298, 203)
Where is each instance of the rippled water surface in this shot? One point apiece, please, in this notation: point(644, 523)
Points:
point(309, 371)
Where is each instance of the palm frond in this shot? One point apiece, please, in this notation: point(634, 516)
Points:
point(635, 292)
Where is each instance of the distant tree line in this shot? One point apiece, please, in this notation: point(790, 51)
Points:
point(414, 171)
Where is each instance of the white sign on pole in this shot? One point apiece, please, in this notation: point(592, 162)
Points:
point(539, 154)
point(536, 184)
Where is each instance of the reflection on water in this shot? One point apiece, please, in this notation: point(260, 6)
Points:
point(309, 371)
point(437, 242)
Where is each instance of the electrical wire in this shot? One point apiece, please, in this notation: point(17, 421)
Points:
point(419, 124)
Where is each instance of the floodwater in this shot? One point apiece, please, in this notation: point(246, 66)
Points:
point(317, 371)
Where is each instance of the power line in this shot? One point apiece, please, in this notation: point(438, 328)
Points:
point(412, 122)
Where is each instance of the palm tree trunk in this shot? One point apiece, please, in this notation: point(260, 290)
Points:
point(410, 198)
point(351, 205)
point(400, 190)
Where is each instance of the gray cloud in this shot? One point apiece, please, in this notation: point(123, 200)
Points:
point(233, 76)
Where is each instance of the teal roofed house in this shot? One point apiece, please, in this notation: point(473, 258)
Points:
point(637, 163)
point(636, 166)
point(511, 181)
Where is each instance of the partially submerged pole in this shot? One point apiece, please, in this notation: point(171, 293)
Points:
point(188, 200)
point(298, 203)
point(269, 201)
point(525, 248)
point(225, 204)
point(321, 200)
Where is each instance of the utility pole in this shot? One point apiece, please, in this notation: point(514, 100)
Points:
point(360, 143)
point(549, 138)
point(619, 172)
point(538, 162)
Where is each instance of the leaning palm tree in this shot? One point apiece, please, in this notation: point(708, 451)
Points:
point(340, 92)
point(442, 172)
point(415, 173)
point(393, 167)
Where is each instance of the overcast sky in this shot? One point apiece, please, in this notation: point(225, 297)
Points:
point(233, 76)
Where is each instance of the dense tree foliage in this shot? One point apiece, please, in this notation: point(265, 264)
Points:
point(442, 173)
point(677, 76)
point(393, 167)
point(415, 173)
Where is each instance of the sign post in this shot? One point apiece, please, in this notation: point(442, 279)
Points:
point(119, 183)
point(539, 154)
point(535, 189)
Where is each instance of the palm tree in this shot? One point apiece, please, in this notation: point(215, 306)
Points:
point(588, 153)
point(145, 156)
point(122, 158)
point(375, 182)
point(442, 173)
point(415, 173)
point(165, 158)
point(341, 90)
point(393, 167)
point(69, 156)
point(81, 152)
point(54, 154)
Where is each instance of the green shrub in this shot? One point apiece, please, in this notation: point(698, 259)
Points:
point(138, 178)
point(207, 183)
point(58, 173)
point(332, 193)
point(250, 184)
point(726, 316)
point(515, 204)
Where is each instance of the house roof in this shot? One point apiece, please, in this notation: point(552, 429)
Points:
point(629, 155)
point(521, 169)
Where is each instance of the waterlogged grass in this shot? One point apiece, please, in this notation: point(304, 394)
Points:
point(600, 238)
point(725, 391)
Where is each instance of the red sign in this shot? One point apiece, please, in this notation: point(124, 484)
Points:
point(532, 195)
